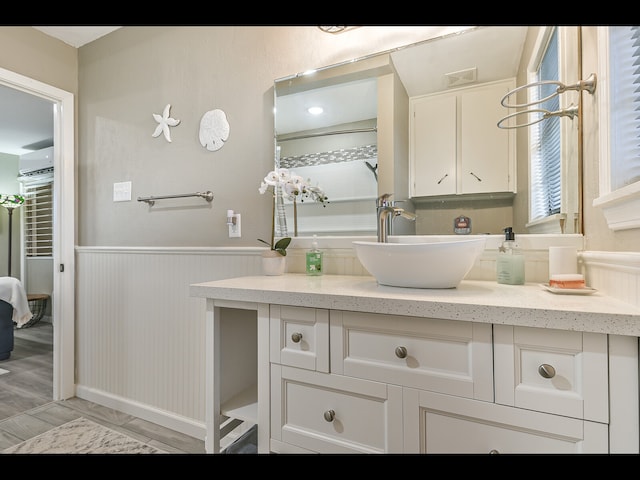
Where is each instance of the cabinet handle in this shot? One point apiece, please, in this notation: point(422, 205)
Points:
point(296, 337)
point(476, 176)
point(547, 371)
point(401, 352)
point(445, 176)
point(494, 452)
point(329, 415)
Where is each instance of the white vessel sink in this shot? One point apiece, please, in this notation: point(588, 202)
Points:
point(420, 262)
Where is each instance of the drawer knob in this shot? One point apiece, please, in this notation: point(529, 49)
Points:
point(296, 337)
point(494, 452)
point(547, 371)
point(329, 415)
point(401, 352)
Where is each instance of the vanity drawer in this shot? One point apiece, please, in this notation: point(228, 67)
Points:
point(299, 337)
point(443, 424)
point(327, 413)
point(554, 371)
point(445, 356)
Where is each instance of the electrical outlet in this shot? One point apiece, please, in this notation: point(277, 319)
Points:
point(122, 192)
point(234, 229)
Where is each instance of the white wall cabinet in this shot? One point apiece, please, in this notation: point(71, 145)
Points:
point(455, 145)
point(400, 384)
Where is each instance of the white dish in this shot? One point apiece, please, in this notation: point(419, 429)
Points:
point(569, 291)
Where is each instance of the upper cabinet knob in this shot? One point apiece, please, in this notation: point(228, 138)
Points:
point(401, 352)
point(546, 370)
point(296, 337)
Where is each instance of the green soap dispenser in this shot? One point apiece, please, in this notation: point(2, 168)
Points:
point(510, 260)
point(314, 259)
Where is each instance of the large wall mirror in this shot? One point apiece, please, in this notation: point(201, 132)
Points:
point(358, 148)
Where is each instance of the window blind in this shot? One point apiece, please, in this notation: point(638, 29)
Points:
point(546, 187)
point(624, 92)
point(38, 218)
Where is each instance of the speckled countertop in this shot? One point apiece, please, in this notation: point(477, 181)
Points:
point(478, 301)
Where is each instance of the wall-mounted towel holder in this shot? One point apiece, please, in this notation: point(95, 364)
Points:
point(208, 196)
point(588, 85)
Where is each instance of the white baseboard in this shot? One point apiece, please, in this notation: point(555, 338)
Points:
point(166, 419)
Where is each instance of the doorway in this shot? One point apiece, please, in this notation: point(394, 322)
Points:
point(63, 309)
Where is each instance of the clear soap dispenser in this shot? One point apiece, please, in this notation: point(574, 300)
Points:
point(510, 260)
point(314, 258)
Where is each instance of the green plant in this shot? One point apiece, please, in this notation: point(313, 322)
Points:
point(280, 246)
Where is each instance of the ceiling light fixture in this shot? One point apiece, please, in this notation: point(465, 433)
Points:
point(335, 29)
point(315, 110)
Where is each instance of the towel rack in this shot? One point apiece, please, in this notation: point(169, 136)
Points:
point(570, 111)
point(208, 196)
point(589, 85)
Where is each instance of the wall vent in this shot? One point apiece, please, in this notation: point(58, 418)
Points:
point(461, 77)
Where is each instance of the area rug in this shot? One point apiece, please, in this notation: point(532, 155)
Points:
point(3, 371)
point(82, 436)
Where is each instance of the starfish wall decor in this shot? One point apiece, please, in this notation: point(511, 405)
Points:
point(164, 122)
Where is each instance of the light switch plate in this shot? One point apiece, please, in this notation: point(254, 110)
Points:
point(122, 192)
point(235, 230)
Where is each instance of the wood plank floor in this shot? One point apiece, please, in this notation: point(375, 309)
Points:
point(27, 409)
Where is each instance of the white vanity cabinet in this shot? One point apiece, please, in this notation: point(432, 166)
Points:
point(400, 384)
point(346, 366)
point(455, 145)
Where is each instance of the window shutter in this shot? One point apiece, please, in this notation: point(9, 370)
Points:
point(624, 64)
point(546, 188)
point(38, 218)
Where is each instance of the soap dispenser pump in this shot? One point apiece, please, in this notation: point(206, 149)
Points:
point(510, 260)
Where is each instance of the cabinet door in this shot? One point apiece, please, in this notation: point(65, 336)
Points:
point(327, 413)
point(443, 424)
point(485, 159)
point(433, 146)
point(299, 337)
point(555, 371)
point(445, 356)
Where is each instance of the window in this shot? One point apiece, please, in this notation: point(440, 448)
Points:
point(553, 142)
point(619, 55)
point(38, 216)
point(545, 138)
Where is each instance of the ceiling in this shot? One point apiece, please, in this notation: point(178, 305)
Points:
point(77, 36)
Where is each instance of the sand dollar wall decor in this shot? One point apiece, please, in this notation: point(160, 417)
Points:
point(214, 130)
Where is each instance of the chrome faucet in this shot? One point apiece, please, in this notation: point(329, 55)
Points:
point(385, 209)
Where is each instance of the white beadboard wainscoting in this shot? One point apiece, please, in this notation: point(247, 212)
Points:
point(140, 343)
point(616, 274)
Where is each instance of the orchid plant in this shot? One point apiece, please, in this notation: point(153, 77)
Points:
point(292, 187)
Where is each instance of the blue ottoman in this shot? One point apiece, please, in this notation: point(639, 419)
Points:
point(6, 330)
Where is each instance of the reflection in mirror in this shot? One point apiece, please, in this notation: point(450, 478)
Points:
point(335, 150)
point(359, 147)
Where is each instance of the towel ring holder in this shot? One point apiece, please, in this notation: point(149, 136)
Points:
point(570, 111)
point(589, 85)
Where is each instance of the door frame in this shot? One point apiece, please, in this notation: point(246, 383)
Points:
point(63, 297)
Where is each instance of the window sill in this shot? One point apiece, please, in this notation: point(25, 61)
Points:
point(621, 208)
point(551, 224)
